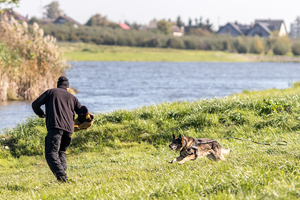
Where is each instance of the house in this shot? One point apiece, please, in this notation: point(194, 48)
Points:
point(62, 19)
point(152, 24)
point(262, 28)
point(46, 21)
point(177, 31)
point(124, 26)
point(15, 15)
point(234, 29)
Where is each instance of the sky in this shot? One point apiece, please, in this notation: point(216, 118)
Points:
point(219, 12)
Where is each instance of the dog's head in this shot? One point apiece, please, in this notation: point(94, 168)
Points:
point(177, 143)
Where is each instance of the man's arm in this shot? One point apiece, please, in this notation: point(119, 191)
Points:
point(36, 105)
point(77, 106)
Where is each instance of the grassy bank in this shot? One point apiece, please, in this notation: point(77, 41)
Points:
point(125, 154)
point(91, 52)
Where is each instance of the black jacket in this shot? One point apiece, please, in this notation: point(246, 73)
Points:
point(60, 106)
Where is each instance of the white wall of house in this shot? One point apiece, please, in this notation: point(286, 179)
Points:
point(178, 34)
point(282, 31)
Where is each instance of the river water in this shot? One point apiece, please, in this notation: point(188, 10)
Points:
point(108, 86)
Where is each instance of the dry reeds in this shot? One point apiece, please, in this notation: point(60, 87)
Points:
point(29, 62)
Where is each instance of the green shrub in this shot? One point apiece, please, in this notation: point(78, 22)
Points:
point(109, 40)
point(257, 46)
point(296, 48)
point(85, 39)
point(190, 43)
point(241, 46)
point(97, 40)
point(280, 48)
point(73, 37)
point(176, 43)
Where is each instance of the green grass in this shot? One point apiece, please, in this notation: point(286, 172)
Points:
point(125, 154)
point(91, 52)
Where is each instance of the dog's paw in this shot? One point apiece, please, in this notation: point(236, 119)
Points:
point(171, 161)
point(180, 163)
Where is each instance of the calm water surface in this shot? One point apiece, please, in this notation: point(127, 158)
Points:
point(107, 86)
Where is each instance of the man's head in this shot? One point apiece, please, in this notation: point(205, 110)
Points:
point(63, 81)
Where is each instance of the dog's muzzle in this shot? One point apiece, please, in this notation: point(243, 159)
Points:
point(172, 147)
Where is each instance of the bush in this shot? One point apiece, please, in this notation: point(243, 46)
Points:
point(97, 40)
point(190, 43)
point(240, 46)
point(85, 39)
point(73, 37)
point(153, 42)
point(40, 61)
point(109, 40)
point(296, 48)
point(257, 46)
point(176, 43)
point(280, 48)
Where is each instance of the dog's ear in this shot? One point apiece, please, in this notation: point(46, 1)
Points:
point(180, 137)
point(173, 136)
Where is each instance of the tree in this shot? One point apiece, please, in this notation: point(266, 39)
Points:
point(179, 22)
point(52, 10)
point(135, 26)
point(190, 22)
point(98, 20)
point(32, 20)
point(200, 22)
point(127, 23)
point(10, 1)
point(208, 25)
point(298, 20)
point(164, 26)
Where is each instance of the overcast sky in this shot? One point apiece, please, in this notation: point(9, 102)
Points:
point(142, 11)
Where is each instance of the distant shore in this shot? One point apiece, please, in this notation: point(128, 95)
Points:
point(92, 52)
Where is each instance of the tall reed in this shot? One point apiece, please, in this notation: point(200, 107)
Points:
point(29, 62)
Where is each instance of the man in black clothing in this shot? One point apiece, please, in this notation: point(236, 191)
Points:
point(60, 106)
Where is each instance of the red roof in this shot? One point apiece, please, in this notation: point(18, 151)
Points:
point(124, 26)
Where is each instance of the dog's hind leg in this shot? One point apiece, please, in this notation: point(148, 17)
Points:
point(219, 155)
point(176, 159)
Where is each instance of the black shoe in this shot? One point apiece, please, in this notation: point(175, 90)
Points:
point(62, 179)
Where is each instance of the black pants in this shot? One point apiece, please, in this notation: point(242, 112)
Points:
point(56, 144)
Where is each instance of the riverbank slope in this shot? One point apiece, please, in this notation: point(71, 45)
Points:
point(125, 154)
point(91, 52)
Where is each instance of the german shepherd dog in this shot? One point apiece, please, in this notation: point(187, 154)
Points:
point(191, 148)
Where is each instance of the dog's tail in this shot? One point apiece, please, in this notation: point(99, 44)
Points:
point(226, 151)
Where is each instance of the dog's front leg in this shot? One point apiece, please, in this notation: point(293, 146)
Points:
point(190, 157)
point(176, 159)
